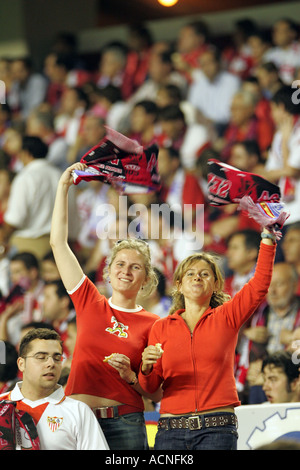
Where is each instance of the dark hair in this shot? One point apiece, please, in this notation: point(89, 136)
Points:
point(283, 360)
point(49, 256)
point(173, 91)
point(292, 24)
point(27, 258)
point(142, 32)
point(67, 38)
point(161, 286)
point(251, 146)
point(245, 25)
point(60, 290)
point(263, 35)
point(112, 93)
point(284, 96)
point(65, 61)
point(251, 79)
point(81, 94)
point(9, 370)
point(37, 333)
point(34, 146)
point(166, 57)
point(149, 106)
point(171, 112)
point(200, 28)
point(269, 67)
point(252, 238)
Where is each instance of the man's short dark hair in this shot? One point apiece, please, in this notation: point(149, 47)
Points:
point(200, 28)
point(37, 333)
point(172, 112)
point(34, 146)
point(150, 107)
point(60, 290)
point(252, 148)
point(28, 259)
point(252, 238)
point(284, 97)
point(110, 92)
point(282, 360)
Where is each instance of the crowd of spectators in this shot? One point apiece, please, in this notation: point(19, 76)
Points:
point(198, 98)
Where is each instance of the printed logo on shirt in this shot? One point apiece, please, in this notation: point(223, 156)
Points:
point(54, 423)
point(117, 328)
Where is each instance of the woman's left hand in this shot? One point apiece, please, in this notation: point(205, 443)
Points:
point(121, 363)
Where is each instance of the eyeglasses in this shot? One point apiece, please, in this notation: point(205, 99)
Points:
point(43, 357)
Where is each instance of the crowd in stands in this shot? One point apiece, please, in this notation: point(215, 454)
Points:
point(198, 98)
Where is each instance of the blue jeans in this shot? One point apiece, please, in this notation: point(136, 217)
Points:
point(214, 438)
point(126, 432)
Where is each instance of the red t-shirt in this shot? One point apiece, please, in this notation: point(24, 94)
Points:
point(197, 370)
point(103, 329)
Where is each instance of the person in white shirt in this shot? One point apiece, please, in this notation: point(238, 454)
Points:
point(62, 423)
point(283, 163)
point(27, 220)
point(286, 51)
point(212, 89)
point(28, 89)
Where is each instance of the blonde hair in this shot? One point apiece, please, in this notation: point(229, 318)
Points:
point(141, 247)
point(218, 297)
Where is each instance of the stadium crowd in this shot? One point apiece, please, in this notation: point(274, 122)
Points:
point(197, 97)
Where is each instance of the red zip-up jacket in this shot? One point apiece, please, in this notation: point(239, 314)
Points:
point(197, 370)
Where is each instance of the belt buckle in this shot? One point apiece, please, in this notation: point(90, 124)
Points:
point(104, 411)
point(194, 422)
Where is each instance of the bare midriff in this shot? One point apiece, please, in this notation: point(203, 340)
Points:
point(225, 409)
point(95, 402)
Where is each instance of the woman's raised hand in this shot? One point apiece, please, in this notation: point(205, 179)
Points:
point(67, 176)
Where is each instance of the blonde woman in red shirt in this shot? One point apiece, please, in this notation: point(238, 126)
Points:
point(118, 326)
point(191, 353)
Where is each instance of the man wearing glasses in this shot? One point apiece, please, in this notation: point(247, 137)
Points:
point(62, 423)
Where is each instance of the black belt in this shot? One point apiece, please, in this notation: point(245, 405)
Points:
point(198, 421)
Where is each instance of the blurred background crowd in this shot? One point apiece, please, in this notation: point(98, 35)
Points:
point(198, 98)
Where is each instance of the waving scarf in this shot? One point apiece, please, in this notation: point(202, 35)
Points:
point(254, 194)
point(122, 163)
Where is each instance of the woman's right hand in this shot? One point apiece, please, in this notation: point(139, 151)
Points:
point(67, 176)
point(150, 356)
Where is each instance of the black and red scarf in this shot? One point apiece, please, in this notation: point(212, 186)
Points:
point(254, 194)
point(122, 163)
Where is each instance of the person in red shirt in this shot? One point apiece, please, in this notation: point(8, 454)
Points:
point(191, 352)
point(243, 123)
point(193, 40)
point(58, 309)
point(111, 333)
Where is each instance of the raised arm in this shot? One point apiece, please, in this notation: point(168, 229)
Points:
point(67, 264)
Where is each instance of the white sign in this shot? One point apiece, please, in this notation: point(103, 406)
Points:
point(266, 423)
